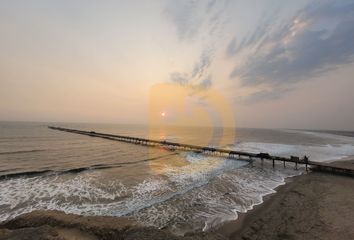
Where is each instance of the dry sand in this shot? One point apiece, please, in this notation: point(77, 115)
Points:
point(312, 206)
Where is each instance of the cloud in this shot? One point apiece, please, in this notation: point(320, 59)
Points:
point(185, 16)
point(255, 39)
point(231, 49)
point(206, 83)
point(199, 76)
point(180, 78)
point(197, 19)
point(265, 95)
point(319, 38)
point(202, 65)
point(193, 17)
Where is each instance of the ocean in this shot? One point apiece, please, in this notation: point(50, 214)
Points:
point(183, 191)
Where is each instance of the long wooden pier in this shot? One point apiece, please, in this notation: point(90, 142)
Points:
point(213, 151)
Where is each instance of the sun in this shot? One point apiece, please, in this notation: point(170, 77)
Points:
point(163, 114)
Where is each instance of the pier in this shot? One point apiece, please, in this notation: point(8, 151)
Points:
point(316, 166)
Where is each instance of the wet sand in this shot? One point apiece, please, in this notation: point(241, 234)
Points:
point(312, 206)
point(56, 225)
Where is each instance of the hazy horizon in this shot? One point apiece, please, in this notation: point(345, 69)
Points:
point(53, 123)
point(247, 64)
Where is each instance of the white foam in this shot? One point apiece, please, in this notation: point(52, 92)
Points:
point(315, 152)
point(327, 136)
point(86, 193)
point(237, 190)
point(196, 196)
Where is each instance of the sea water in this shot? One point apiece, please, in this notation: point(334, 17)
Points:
point(182, 191)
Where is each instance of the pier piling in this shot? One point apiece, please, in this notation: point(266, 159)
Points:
point(316, 166)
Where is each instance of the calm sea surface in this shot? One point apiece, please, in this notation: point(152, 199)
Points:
point(46, 169)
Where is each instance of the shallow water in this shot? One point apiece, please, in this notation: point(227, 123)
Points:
point(45, 169)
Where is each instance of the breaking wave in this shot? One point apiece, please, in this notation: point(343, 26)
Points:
point(196, 196)
point(321, 153)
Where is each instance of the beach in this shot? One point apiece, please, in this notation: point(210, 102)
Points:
point(56, 225)
point(310, 206)
point(177, 120)
point(56, 185)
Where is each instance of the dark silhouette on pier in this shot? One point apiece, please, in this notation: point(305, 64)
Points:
point(316, 166)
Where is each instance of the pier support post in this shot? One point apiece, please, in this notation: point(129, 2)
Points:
point(284, 164)
point(296, 165)
point(273, 163)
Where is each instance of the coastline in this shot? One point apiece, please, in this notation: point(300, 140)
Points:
point(233, 228)
point(310, 206)
point(57, 225)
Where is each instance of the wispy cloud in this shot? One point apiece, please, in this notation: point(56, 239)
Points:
point(199, 76)
point(318, 39)
point(265, 95)
point(193, 17)
point(186, 16)
point(200, 19)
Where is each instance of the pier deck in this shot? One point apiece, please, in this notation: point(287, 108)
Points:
point(317, 166)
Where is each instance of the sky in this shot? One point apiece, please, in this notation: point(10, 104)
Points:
point(254, 63)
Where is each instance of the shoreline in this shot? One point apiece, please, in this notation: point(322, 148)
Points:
point(234, 227)
point(309, 206)
point(57, 225)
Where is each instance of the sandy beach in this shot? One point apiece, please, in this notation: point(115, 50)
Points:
point(177, 119)
point(56, 225)
point(311, 206)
